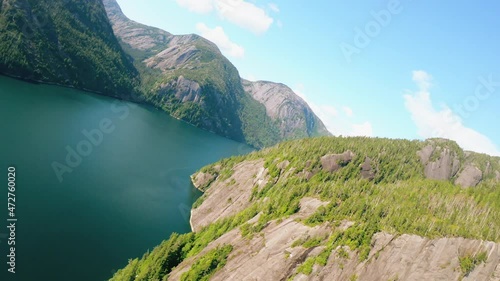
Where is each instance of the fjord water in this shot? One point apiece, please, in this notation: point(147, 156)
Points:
point(128, 192)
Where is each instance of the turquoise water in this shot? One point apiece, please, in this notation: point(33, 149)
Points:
point(98, 180)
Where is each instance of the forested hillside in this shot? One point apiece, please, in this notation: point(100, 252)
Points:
point(67, 42)
point(350, 192)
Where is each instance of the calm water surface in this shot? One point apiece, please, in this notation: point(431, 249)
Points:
point(99, 181)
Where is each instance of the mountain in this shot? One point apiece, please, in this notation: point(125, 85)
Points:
point(289, 112)
point(187, 76)
point(66, 42)
point(92, 45)
point(339, 209)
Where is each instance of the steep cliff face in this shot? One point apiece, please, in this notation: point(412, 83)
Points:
point(444, 160)
point(67, 42)
point(187, 76)
point(340, 209)
point(291, 113)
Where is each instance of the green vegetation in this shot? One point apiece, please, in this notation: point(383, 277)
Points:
point(64, 42)
point(208, 264)
point(468, 262)
point(307, 266)
point(157, 264)
point(308, 242)
point(398, 200)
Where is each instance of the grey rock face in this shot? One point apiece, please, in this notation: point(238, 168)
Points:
point(469, 177)
point(306, 175)
point(134, 34)
point(181, 52)
point(497, 176)
point(444, 167)
point(202, 180)
point(425, 154)
point(294, 117)
point(367, 170)
point(185, 90)
point(411, 257)
point(333, 162)
point(228, 197)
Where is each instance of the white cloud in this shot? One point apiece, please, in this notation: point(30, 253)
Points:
point(347, 110)
point(443, 122)
point(274, 7)
point(422, 79)
point(249, 77)
point(330, 110)
point(197, 6)
point(244, 14)
point(219, 37)
point(239, 12)
point(335, 123)
point(364, 129)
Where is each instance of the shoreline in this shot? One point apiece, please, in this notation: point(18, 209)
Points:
point(145, 103)
point(191, 211)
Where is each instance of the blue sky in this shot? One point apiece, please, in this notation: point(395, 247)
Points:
point(398, 69)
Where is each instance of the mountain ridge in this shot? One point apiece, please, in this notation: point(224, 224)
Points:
point(187, 73)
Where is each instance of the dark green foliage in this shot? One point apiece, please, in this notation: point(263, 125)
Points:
point(307, 266)
point(259, 130)
point(67, 42)
point(162, 259)
point(469, 262)
point(208, 264)
point(158, 263)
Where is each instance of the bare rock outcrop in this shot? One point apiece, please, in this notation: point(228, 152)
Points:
point(137, 36)
point(411, 257)
point(306, 174)
point(469, 177)
point(283, 165)
point(202, 180)
point(497, 176)
point(228, 197)
point(333, 162)
point(295, 117)
point(180, 50)
point(444, 167)
point(367, 170)
point(183, 89)
point(268, 255)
